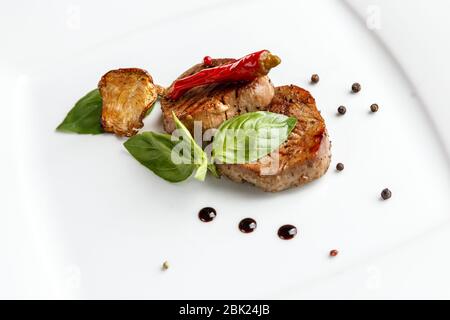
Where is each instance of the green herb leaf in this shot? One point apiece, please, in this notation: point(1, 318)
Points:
point(212, 168)
point(85, 116)
point(250, 136)
point(170, 157)
point(154, 151)
point(199, 156)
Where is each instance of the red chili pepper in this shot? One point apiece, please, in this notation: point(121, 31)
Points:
point(245, 69)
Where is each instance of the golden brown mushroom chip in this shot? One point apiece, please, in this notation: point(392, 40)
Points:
point(127, 95)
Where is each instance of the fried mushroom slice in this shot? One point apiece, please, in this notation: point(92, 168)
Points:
point(127, 95)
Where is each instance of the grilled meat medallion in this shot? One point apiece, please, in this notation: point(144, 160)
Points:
point(304, 157)
point(215, 103)
point(127, 95)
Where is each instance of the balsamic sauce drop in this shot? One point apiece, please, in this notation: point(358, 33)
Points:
point(207, 214)
point(287, 232)
point(247, 225)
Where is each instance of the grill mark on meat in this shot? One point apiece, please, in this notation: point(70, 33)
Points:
point(304, 157)
point(213, 104)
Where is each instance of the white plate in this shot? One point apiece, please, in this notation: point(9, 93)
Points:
point(85, 220)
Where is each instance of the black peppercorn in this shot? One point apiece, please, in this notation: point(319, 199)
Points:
point(342, 110)
point(340, 166)
point(374, 107)
point(356, 87)
point(386, 194)
point(315, 78)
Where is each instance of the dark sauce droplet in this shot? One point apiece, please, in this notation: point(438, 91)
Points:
point(207, 214)
point(247, 225)
point(287, 232)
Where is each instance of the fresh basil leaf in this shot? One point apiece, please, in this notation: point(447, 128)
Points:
point(154, 151)
point(161, 154)
point(251, 136)
point(85, 116)
point(199, 156)
point(212, 168)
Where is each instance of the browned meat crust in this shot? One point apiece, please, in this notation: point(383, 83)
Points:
point(127, 95)
point(213, 104)
point(304, 157)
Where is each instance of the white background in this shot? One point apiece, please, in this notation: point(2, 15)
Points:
point(80, 219)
